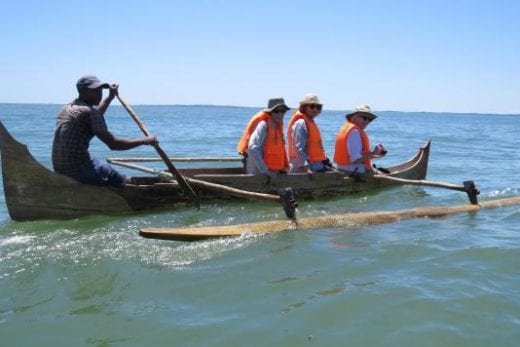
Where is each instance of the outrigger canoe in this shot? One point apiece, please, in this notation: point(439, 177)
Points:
point(34, 192)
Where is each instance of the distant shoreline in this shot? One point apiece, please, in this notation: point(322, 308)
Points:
point(258, 107)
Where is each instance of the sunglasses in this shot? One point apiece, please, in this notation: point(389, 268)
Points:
point(366, 118)
point(314, 107)
point(279, 111)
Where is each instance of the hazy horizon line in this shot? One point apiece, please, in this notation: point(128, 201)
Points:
point(292, 108)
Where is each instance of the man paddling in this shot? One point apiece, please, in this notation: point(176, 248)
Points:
point(77, 123)
point(352, 150)
point(262, 143)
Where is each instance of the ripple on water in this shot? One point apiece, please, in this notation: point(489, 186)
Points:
point(116, 242)
point(16, 240)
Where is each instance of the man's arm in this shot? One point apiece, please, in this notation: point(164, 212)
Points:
point(100, 129)
point(300, 140)
point(119, 144)
point(354, 147)
point(256, 146)
point(103, 105)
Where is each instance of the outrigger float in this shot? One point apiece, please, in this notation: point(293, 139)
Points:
point(335, 221)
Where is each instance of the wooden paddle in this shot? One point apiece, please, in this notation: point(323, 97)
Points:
point(285, 195)
point(467, 186)
point(186, 188)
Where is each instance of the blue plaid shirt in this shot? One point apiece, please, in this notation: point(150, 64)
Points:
point(76, 124)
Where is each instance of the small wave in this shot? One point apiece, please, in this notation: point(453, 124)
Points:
point(503, 192)
point(16, 240)
point(176, 255)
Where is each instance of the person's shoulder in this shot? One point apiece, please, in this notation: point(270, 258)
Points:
point(300, 122)
point(262, 123)
point(66, 107)
point(79, 106)
point(260, 126)
point(74, 107)
point(354, 134)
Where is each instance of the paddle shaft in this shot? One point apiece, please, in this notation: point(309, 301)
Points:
point(285, 195)
point(207, 185)
point(420, 182)
point(181, 159)
point(468, 186)
point(188, 191)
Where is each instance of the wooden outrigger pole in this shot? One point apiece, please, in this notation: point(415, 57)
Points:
point(339, 220)
point(285, 195)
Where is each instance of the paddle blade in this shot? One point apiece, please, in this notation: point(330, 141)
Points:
point(288, 202)
point(472, 191)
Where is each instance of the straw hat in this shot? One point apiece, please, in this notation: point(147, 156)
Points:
point(362, 110)
point(275, 103)
point(310, 99)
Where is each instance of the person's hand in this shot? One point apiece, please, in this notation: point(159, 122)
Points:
point(113, 90)
point(310, 173)
point(379, 151)
point(150, 140)
point(327, 163)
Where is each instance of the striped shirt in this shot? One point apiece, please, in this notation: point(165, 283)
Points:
point(76, 124)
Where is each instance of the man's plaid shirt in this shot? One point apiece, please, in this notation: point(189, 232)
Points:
point(76, 124)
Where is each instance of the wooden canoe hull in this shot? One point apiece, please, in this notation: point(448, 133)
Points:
point(34, 192)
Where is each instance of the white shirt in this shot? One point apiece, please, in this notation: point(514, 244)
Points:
point(299, 135)
point(255, 150)
point(354, 147)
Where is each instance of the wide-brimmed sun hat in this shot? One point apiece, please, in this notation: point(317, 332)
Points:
point(310, 99)
point(362, 110)
point(90, 82)
point(276, 103)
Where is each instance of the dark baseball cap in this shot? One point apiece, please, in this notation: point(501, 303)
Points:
point(90, 82)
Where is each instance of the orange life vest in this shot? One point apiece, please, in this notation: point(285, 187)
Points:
point(315, 149)
point(275, 156)
point(341, 155)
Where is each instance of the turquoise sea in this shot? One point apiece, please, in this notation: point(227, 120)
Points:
point(451, 281)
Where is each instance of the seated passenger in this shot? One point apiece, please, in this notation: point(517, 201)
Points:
point(352, 151)
point(262, 143)
point(306, 153)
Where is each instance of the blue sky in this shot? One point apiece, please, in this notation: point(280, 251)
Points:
point(445, 56)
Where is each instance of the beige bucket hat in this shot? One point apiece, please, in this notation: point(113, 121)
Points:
point(275, 103)
point(310, 99)
point(362, 110)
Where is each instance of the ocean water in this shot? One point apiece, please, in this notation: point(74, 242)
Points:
point(451, 281)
